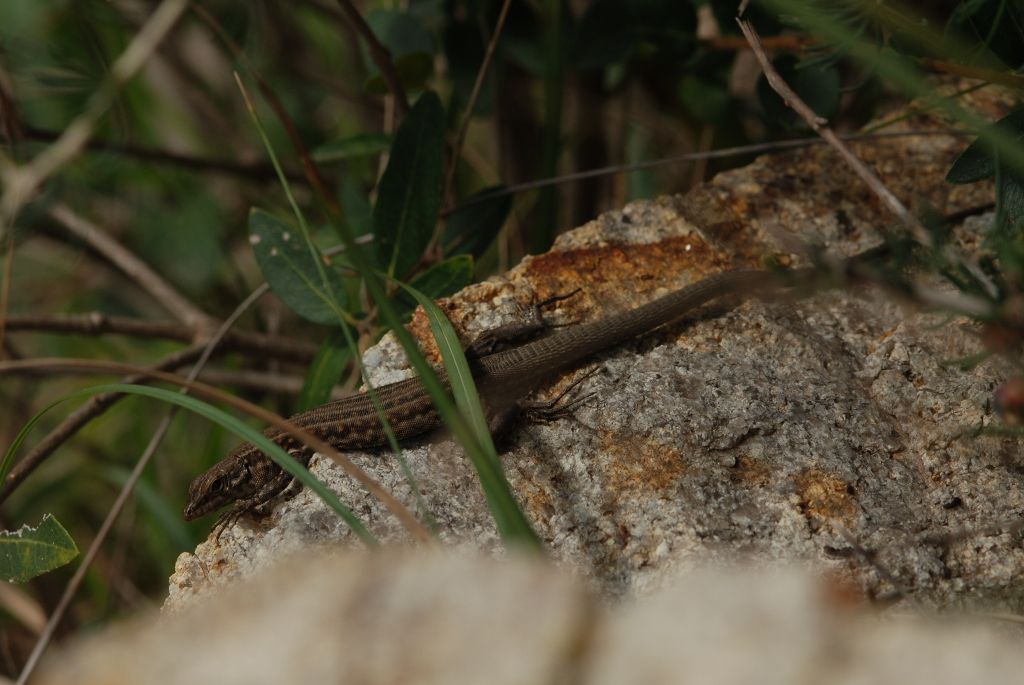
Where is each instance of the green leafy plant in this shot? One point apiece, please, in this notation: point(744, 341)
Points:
point(29, 552)
point(405, 216)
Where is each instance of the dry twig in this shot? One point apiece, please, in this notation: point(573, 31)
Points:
point(133, 267)
point(210, 392)
point(97, 323)
point(21, 182)
point(460, 137)
point(379, 54)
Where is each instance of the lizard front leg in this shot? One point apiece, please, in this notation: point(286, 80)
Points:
point(502, 337)
point(274, 485)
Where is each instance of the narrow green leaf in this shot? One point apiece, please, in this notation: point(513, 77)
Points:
point(28, 552)
point(974, 164)
point(977, 162)
point(358, 212)
point(251, 435)
point(895, 69)
point(350, 147)
point(509, 517)
point(410, 45)
point(996, 24)
point(444, 278)
point(1009, 204)
point(325, 371)
point(817, 84)
point(288, 265)
point(227, 421)
point(473, 228)
point(157, 506)
point(409, 194)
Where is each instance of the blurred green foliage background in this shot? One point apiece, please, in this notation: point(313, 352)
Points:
point(176, 164)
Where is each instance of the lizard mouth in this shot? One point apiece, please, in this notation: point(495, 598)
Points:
point(191, 512)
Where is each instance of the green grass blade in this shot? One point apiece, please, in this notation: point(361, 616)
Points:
point(509, 517)
point(324, 371)
point(229, 422)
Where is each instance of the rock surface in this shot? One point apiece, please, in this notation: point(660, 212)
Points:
point(828, 429)
point(418, 617)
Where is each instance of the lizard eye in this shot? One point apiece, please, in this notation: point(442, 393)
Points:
point(217, 485)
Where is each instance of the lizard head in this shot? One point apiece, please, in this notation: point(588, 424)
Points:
point(228, 480)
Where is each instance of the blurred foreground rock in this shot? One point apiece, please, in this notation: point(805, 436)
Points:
point(407, 617)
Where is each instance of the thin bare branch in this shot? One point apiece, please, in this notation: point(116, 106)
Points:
point(721, 153)
point(122, 498)
point(789, 41)
point(255, 170)
point(215, 394)
point(379, 54)
point(137, 270)
point(1003, 78)
point(287, 384)
point(818, 125)
point(21, 183)
point(96, 323)
point(460, 137)
point(74, 422)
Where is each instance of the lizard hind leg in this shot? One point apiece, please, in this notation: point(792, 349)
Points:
point(562, 405)
point(546, 411)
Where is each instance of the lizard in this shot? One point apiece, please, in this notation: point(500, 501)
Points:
point(253, 483)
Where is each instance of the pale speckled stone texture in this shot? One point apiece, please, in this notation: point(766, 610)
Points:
point(778, 430)
point(418, 617)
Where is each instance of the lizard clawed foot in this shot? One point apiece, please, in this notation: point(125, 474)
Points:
point(559, 407)
point(553, 299)
point(226, 519)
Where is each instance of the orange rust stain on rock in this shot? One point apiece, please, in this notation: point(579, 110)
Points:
point(614, 274)
point(535, 500)
point(419, 327)
point(826, 496)
point(635, 464)
point(751, 471)
point(641, 268)
point(842, 592)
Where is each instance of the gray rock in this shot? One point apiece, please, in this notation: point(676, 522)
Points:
point(827, 429)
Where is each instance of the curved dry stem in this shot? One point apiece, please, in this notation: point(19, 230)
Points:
point(460, 138)
point(77, 419)
point(379, 54)
point(126, 491)
point(23, 181)
point(133, 267)
point(210, 392)
point(97, 323)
